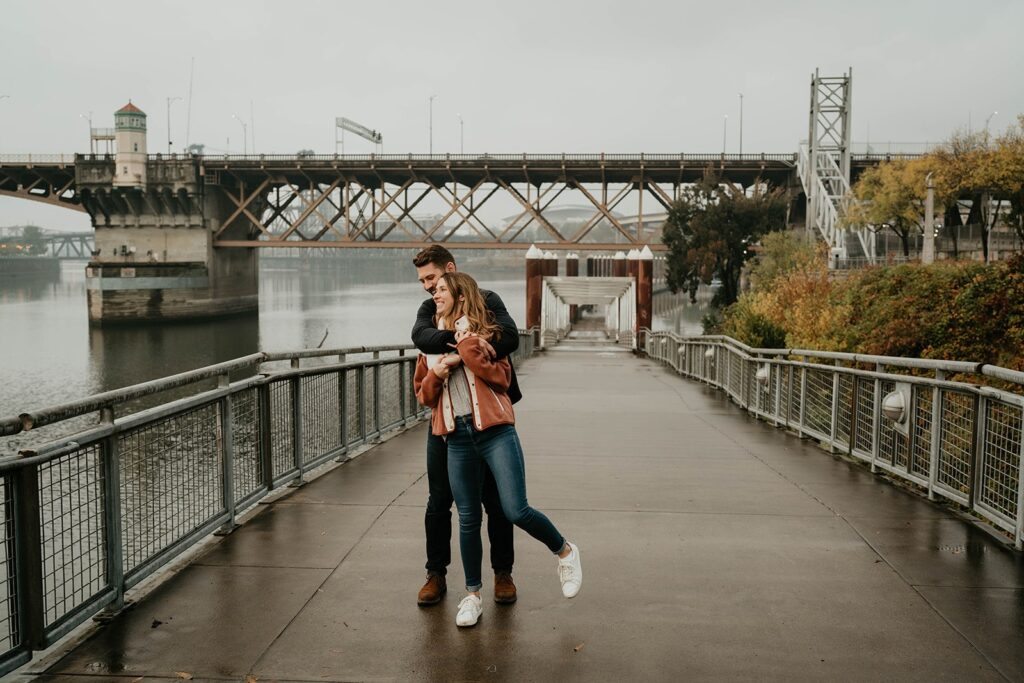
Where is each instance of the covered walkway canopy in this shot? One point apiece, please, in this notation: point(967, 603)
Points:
point(615, 297)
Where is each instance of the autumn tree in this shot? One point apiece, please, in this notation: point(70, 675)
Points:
point(1003, 174)
point(892, 195)
point(983, 169)
point(709, 228)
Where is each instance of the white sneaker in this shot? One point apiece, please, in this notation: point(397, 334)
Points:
point(570, 572)
point(470, 610)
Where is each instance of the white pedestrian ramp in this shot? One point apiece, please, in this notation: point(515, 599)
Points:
point(588, 311)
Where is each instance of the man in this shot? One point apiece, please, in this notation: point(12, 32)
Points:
point(431, 263)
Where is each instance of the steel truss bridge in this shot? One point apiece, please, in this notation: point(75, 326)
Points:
point(72, 245)
point(332, 201)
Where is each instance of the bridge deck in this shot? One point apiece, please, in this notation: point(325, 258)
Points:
point(714, 547)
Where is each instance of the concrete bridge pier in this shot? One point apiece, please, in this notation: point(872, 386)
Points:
point(155, 220)
point(154, 257)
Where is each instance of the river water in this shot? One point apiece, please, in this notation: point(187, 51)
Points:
point(49, 354)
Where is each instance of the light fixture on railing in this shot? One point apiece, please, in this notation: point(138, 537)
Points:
point(764, 373)
point(895, 407)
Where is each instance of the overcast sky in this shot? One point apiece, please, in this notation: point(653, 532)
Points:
point(554, 76)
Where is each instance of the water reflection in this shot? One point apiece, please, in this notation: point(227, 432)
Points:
point(124, 355)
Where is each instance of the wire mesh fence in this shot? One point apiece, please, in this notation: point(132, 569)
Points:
point(957, 440)
point(88, 516)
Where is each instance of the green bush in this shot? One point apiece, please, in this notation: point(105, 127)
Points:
point(947, 310)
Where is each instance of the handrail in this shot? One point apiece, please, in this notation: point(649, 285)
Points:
point(163, 478)
point(953, 366)
point(955, 439)
point(28, 420)
point(788, 157)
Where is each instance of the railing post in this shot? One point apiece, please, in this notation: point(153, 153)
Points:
point(803, 400)
point(266, 439)
point(935, 447)
point(227, 463)
point(876, 421)
point(778, 370)
point(343, 414)
point(295, 384)
point(1018, 541)
point(834, 422)
point(978, 454)
point(376, 403)
point(29, 548)
point(403, 386)
point(112, 519)
point(362, 403)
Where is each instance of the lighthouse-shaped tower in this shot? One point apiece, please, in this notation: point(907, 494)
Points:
point(130, 134)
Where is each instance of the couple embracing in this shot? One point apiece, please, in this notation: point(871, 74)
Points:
point(473, 452)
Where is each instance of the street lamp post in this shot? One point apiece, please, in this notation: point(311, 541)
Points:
point(741, 124)
point(989, 119)
point(928, 244)
point(170, 101)
point(245, 133)
point(89, 121)
point(431, 125)
point(725, 129)
point(462, 135)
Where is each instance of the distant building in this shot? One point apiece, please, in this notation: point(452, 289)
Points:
point(130, 133)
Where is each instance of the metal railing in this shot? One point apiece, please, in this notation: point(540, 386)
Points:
point(959, 441)
point(88, 516)
point(483, 157)
point(37, 159)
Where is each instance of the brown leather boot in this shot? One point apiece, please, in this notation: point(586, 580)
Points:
point(504, 589)
point(433, 590)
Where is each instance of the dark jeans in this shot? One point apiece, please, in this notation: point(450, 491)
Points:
point(438, 519)
point(470, 453)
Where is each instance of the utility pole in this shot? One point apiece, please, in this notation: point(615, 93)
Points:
point(170, 100)
point(725, 129)
point(431, 125)
point(928, 244)
point(462, 135)
point(89, 120)
point(741, 124)
point(245, 133)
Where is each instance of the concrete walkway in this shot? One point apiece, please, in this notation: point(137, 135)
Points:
point(714, 547)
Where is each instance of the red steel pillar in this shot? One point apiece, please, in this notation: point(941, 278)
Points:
point(644, 291)
point(619, 267)
point(534, 286)
point(572, 269)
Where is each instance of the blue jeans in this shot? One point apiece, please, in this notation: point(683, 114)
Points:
point(437, 520)
point(499, 448)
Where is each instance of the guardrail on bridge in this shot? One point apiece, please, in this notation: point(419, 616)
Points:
point(958, 441)
point(88, 516)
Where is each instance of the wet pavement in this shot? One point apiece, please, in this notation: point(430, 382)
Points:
point(714, 548)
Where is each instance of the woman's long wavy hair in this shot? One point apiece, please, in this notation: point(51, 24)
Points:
point(469, 302)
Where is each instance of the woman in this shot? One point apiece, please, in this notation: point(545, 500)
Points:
point(467, 392)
